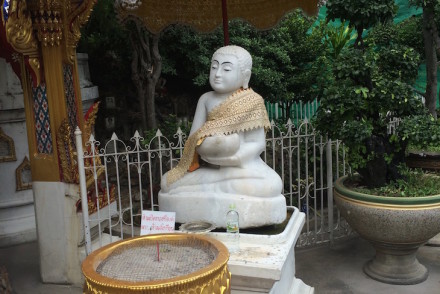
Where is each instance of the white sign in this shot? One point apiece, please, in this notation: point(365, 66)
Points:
point(155, 222)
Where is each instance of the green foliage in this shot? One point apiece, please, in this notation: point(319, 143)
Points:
point(422, 3)
point(105, 41)
point(370, 84)
point(382, 34)
point(361, 14)
point(398, 62)
point(406, 33)
point(338, 38)
point(288, 60)
point(409, 33)
point(422, 132)
point(366, 89)
point(168, 128)
point(187, 54)
point(414, 183)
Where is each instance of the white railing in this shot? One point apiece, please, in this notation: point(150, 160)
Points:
point(127, 175)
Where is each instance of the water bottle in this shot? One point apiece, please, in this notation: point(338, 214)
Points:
point(233, 228)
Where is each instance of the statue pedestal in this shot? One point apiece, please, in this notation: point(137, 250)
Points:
point(212, 207)
point(266, 263)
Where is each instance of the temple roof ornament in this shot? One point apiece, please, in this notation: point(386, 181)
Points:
point(18, 30)
point(26, 25)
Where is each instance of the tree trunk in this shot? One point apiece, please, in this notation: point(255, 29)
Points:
point(374, 174)
point(430, 42)
point(153, 77)
point(146, 69)
point(378, 171)
point(136, 77)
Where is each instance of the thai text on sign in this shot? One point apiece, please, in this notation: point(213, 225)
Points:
point(155, 222)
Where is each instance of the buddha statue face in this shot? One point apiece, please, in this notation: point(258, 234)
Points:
point(230, 69)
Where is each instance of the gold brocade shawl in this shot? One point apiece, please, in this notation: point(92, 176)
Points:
point(242, 111)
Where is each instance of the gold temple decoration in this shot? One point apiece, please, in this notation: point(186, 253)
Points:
point(90, 119)
point(66, 151)
point(43, 35)
point(7, 148)
point(89, 124)
point(23, 178)
point(76, 19)
point(51, 22)
point(48, 21)
point(20, 34)
point(213, 278)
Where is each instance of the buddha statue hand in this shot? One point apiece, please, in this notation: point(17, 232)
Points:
point(220, 150)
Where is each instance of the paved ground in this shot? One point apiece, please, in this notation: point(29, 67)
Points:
point(22, 264)
point(338, 270)
point(330, 269)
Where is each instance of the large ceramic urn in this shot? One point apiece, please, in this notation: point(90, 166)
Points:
point(159, 264)
point(396, 227)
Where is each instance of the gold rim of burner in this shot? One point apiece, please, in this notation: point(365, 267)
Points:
point(91, 263)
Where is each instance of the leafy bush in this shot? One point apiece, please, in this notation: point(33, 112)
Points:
point(422, 133)
point(414, 183)
point(367, 89)
point(370, 85)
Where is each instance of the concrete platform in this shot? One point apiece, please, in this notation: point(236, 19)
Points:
point(329, 269)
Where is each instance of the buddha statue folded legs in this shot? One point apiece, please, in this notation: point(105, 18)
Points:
point(228, 134)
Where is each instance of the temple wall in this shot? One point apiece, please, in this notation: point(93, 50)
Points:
point(17, 211)
point(17, 214)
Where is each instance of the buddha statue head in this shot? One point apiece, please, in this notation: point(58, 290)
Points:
point(230, 69)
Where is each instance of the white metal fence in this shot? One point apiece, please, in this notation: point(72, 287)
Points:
point(120, 179)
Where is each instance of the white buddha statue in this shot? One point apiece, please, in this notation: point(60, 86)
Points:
point(227, 137)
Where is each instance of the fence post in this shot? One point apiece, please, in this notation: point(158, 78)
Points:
point(83, 190)
point(330, 188)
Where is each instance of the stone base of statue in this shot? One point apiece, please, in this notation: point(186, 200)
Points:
point(266, 263)
point(212, 207)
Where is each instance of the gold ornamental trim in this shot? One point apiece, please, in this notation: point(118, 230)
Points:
point(19, 183)
point(214, 278)
point(90, 119)
point(48, 20)
point(19, 30)
point(75, 19)
point(10, 147)
point(241, 111)
point(66, 151)
point(20, 34)
point(387, 206)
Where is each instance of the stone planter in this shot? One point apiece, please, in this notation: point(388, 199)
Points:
point(396, 227)
point(182, 263)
